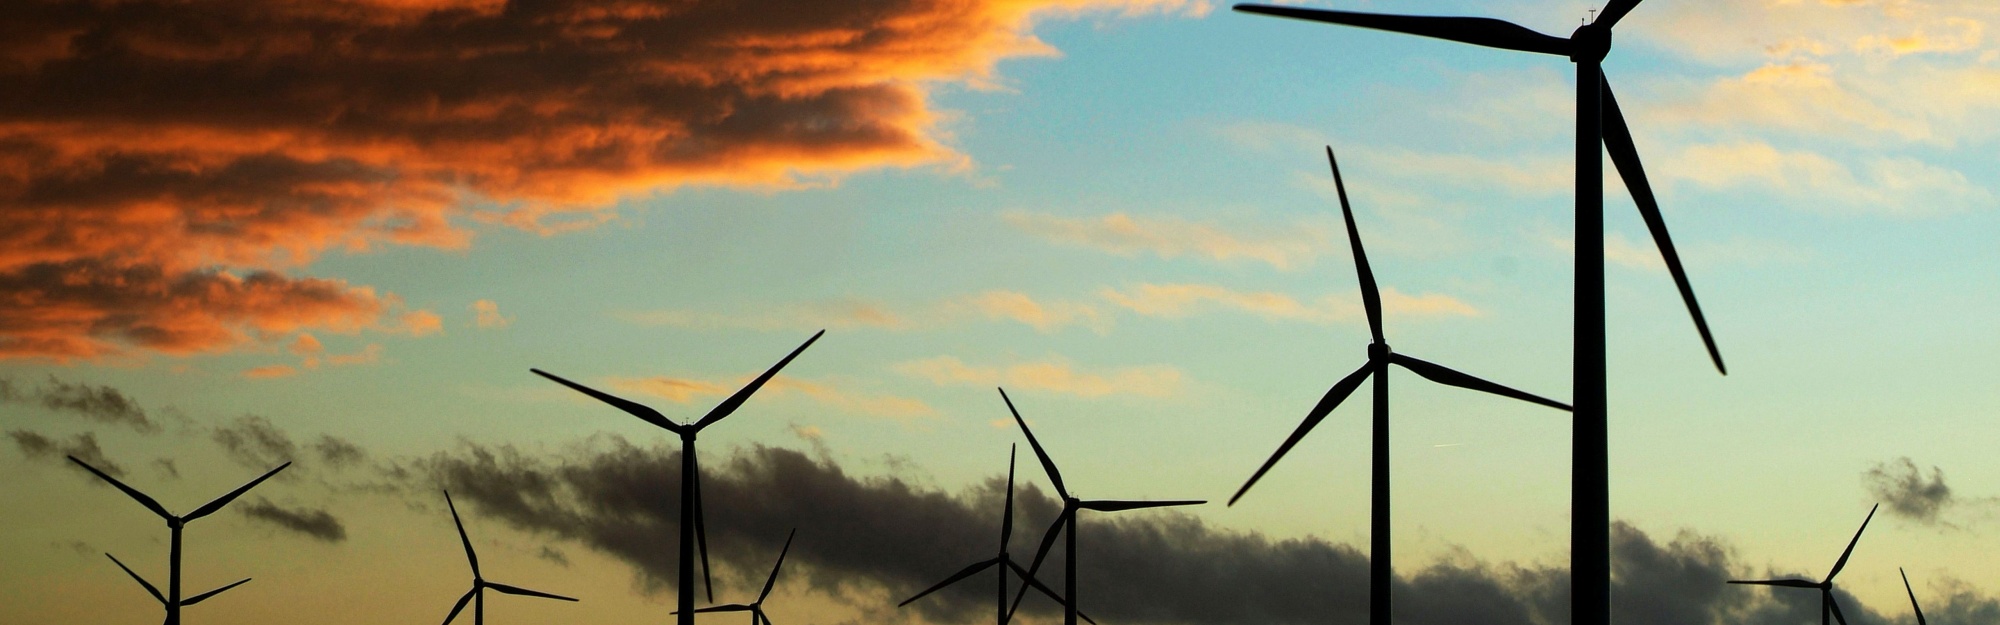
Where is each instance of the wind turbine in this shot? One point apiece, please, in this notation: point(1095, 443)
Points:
point(172, 599)
point(1913, 596)
point(756, 608)
point(1066, 522)
point(691, 517)
point(1379, 358)
point(1825, 586)
point(1600, 126)
point(479, 584)
point(1003, 560)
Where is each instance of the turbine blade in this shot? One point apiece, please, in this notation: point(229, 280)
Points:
point(210, 507)
point(1837, 616)
point(1913, 596)
point(963, 573)
point(736, 401)
point(1048, 541)
point(1051, 593)
point(1842, 562)
point(773, 580)
point(1790, 583)
point(470, 557)
point(1625, 156)
point(633, 408)
point(197, 598)
point(1615, 11)
point(517, 590)
point(733, 607)
point(1477, 31)
point(1333, 397)
point(701, 533)
point(1371, 296)
point(135, 494)
point(1047, 464)
point(1451, 377)
point(1107, 505)
point(461, 605)
point(1007, 515)
point(135, 576)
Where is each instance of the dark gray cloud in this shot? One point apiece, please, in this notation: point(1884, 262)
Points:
point(338, 452)
point(252, 441)
point(860, 535)
point(167, 467)
point(84, 446)
point(102, 404)
point(1902, 485)
point(553, 554)
point(313, 522)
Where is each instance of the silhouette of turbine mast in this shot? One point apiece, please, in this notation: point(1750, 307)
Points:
point(1380, 573)
point(172, 599)
point(477, 595)
point(1065, 523)
point(1825, 586)
point(691, 517)
point(1599, 126)
point(756, 608)
point(1003, 560)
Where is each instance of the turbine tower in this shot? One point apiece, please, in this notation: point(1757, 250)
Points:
point(479, 584)
point(756, 608)
point(1825, 586)
point(1600, 126)
point(1380, 573)
point(1065, 523)
point(172, 599)
point(691, 517)
point(1003, 560)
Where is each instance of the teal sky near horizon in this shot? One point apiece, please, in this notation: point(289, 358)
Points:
point(1136, 236)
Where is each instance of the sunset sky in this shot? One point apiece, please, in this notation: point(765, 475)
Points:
point(235, 233)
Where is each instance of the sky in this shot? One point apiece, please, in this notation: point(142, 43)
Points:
point(238, 233)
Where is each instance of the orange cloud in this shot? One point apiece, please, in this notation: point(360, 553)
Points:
point(250, 137)
point(683, 390)
point(1181, 300)
point(1054, 376)
point(488, 315)
point(270, 371)
point(1170, 237)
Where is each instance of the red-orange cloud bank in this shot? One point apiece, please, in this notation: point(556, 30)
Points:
point(164, 164)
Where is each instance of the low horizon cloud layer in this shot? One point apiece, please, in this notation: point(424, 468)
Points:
point(862, 538)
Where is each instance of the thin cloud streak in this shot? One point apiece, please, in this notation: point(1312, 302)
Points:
point(1172, 237)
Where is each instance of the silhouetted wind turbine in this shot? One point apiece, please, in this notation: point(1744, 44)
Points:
point(172, 599)
point(1825, 586)
point(756, 608)
point(1913, 596)
point(1066, 522)
point(477, 595)
point(1599, 126)
point(1003, 560)
point(1379, 358)
point(691, 517)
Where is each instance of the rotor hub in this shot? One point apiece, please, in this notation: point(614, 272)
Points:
point(1590, 43)
point(1378, 350)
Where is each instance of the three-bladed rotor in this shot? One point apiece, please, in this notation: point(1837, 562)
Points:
point(479, 583)
point(1827, 606)
point(171, 599)
point(1004, 560)
point(756, 608)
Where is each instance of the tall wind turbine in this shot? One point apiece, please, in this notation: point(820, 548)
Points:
point(1065, 523)
point(1003, 560)
point(1600, 126)
point(1825, 586)
point(756, 608)
point(691, 517)
point(172, 599)
point(1913, 596)
point(1379, 358)
point(479, 584)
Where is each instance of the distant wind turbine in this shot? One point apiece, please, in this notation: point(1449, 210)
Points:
point(1825, 586)
point(1003, 560)
point(756, 608)
point(1065, 523)
point(691, 516)
point(1599, 126)
point(1913, 596)
point(1379, 358)
point(172, 599)
point(477, 595)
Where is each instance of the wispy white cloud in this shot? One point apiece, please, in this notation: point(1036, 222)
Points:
point(1042, 314)
point(1173, 301)
point(830, 394)
point(1883, 185)
point(1287, 247)
point(1053, 375)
